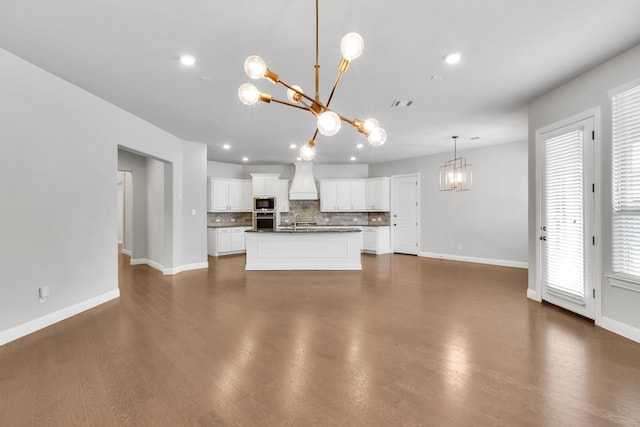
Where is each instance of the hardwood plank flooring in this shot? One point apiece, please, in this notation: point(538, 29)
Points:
point(408, 341)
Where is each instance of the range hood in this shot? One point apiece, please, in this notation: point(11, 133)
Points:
point(303, 186)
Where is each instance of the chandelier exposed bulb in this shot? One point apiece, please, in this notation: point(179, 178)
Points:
point(294, 96)
point(370, 125)
point(308, 152)
point(351, 46)
point(248, 94)
point(377, 137)
point(329, 123)
point(255, 67)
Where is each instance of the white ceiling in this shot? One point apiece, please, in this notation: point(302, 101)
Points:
point(513, 51)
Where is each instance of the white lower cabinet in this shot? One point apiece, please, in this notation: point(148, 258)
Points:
point(226, 240)
point(376, 240)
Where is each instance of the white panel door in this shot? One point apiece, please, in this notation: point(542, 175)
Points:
point(567, 216)
point(405, 214)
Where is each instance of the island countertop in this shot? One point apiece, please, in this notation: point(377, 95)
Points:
point(309, 230)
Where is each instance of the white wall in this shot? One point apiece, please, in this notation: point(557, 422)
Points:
point(490, 221)
point(155, 213)
point(194, 199)
point(620, 308)
point(59, 193)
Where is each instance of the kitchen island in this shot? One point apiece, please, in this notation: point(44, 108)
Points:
point(324, 248)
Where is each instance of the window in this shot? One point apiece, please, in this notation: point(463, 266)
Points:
point(626, 182)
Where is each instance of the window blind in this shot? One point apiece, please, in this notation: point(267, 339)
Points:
point(626, 182)
point(564, 213)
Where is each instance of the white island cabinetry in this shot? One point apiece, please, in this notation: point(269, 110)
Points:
point(314, 249)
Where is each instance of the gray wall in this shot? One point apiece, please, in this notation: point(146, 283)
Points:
point(60, 151)
point(620, 308)
point(490, 221)
point(226, 170)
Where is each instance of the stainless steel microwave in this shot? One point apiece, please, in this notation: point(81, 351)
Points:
point(262, 204)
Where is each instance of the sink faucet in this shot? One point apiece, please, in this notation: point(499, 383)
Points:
point(296, 218)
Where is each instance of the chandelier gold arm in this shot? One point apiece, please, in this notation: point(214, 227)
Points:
point(321, 106)
point(290, 104)
point(342, 67)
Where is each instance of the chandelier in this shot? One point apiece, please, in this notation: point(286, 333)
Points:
point(328, 121)
point(455, 174)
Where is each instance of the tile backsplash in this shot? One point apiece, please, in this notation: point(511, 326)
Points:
point(307, 211)
point(231, 219)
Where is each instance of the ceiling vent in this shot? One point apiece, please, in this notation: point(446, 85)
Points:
point(401, 103)
point(303, 185)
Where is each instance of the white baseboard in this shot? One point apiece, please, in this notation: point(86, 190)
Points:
point(490, 261)
point(186, 267)
point(620, 328)
point(533, 294)
point(49, 319)
point(155, 265)
point(170, 270)
point(126, 251)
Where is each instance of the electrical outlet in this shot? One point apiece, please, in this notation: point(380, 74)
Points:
point(355, 219)
point(193, 212)
point(217, 219)
point(459, 247)
point(233, 220)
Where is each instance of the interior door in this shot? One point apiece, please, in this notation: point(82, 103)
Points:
point(404, 214)
point(567, 216)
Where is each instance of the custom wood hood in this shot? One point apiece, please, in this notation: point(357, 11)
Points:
point(303, 185)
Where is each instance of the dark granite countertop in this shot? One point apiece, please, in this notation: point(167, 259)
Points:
point(308, 230)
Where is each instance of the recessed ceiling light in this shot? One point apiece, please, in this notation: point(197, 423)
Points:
point(187, 60)
point(245, 159)
point(352, 158)
point(453, 58)
point(292, 146)
point(298, 159)
point(359, 145)
point(226, 146)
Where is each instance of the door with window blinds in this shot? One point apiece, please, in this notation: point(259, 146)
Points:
point(626, 185)
point(566, 232)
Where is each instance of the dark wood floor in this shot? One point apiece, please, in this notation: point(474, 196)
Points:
point(408, 341)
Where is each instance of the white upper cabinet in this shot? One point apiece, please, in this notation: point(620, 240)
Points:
point(229, 195)
point(265, 184)
point(342, 195)
point(378, 194)
point(282, 199)
point(247, 195)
